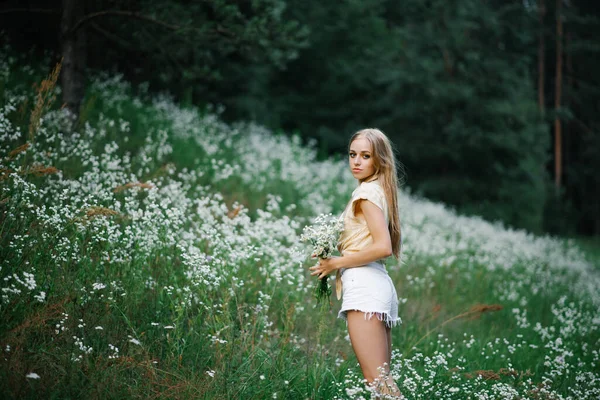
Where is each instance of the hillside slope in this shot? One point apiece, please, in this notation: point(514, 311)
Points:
point(151, 250)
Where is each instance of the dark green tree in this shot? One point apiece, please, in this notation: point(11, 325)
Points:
point(576, 207)
point(465, 107)
point(449, 81)
point(178, 45)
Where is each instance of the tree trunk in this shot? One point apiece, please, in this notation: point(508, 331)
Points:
point(541, 56)
point(557, 98)
point(568, 102)
point(74, 54)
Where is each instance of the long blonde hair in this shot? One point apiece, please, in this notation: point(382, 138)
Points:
point(385, 171)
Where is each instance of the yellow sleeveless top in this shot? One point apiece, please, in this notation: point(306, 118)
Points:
point(356, 235)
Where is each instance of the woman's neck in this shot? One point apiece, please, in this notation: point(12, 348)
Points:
point(369, 179)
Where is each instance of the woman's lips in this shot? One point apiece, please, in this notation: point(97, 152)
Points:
point(356, 169)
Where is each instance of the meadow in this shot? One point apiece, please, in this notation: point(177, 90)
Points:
point(151, 250)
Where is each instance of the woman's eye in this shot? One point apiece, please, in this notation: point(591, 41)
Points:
point(352, 155)
point(366, 156)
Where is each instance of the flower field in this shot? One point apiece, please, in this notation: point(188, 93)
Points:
point(150, 250)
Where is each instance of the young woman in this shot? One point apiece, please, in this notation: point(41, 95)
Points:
point(371, 233)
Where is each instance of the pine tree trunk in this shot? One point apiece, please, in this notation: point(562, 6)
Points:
point(541, 56)
point(557, 99)
point(568, 102)
point(74, 55)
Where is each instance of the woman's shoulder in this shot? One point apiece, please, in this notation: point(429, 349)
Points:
point(370, 186)
point(371, 190)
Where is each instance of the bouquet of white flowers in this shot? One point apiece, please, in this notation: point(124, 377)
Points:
point(323, 235)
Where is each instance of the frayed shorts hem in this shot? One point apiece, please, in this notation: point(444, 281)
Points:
point(383, 316)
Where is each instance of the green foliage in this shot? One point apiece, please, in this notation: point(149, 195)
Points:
point(449, 83)
point(579, 200)
point(203, 56)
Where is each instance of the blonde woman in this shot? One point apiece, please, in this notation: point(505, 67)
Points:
point(371, 233)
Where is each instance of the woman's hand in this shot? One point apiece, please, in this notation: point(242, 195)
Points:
point(324, 267)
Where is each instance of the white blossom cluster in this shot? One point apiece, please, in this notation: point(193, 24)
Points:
point(323, 235)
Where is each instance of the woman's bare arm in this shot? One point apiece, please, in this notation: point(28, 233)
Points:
point(380, 248)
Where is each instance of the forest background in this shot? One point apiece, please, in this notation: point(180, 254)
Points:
point(494, 106)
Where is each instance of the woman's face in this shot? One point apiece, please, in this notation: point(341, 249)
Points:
point(361, 159)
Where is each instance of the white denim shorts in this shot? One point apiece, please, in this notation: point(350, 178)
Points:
point(370, 289)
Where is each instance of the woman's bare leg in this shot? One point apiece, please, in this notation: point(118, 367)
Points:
point(370, 344)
